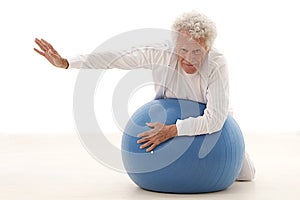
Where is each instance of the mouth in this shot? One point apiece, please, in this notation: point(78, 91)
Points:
point(189, 68)
point(188, 64)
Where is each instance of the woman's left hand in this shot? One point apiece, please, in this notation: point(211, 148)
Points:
point(158, 134)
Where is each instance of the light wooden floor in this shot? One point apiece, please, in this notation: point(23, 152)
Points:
point(58, 167)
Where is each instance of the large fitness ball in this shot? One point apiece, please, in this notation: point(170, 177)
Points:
point(185, 164)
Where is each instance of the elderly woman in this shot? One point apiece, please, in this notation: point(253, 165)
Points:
point(191, 69)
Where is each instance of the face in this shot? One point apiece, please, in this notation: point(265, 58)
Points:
point(191, 52)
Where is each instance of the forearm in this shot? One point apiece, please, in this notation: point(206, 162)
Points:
point(200, 125)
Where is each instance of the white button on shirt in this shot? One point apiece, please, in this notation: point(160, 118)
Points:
point(209, 85)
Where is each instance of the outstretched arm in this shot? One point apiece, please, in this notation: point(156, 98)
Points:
point(136, 57)
point(47, 51)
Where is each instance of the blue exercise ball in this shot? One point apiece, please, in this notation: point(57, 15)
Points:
point(185, 164)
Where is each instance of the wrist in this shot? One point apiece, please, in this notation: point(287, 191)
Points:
point(173, 130)
point(65, 63)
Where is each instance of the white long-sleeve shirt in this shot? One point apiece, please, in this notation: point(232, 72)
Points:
point(209, 85)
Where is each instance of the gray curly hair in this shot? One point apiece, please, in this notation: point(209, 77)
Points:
point(198, 25)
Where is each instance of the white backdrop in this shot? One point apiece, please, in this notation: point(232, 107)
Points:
point(259, 38)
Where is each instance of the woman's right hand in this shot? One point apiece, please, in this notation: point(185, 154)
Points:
point(51, 54)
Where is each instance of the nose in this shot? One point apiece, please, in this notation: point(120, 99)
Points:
point(189, 57)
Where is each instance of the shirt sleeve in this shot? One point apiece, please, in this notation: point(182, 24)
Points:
point(141, 57)
point(217, 105)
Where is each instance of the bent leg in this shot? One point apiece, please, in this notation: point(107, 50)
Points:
point(248, 171)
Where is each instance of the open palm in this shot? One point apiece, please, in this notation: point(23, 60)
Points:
point(50, 54)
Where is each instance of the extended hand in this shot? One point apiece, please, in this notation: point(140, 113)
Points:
point(51, 54)
point(158, 134)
